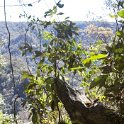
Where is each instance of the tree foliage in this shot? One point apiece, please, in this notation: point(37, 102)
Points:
point(62, 54)
point(111, 79)
point(101, 68)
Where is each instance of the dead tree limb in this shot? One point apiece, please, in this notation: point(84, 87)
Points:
point(75, 105)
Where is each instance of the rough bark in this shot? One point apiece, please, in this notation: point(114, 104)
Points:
point(75, 104)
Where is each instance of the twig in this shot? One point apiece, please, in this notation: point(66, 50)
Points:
point(20, 5)
point(10, 57)
point(25, 53)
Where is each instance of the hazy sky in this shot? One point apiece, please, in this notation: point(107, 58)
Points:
point(77, 10)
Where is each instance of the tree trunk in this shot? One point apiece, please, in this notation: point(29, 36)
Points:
point(76, 103)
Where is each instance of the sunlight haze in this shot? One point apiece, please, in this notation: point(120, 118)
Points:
point(77, 10)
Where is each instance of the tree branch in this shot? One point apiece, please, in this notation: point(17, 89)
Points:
point(10, 58)
point(75, 104)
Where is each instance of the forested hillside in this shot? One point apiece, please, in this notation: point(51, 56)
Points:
point(18, 34)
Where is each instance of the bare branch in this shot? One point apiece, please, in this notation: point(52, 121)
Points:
point(10, 57)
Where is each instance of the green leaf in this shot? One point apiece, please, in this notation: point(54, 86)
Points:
point(45, 45)
point(50, 12)
point(49, 83)
point(99, 56)
point(67, 18)
point(61, 13)
point(120, 33)
point(31, 86)
point(77, 68)
point(102, 83)
point(26, 75)
point(47, 35)
point(54, 10)
point(29, 4)
point(29, 17)
point(94, 57)
point(100, 80)
point(87, 62)
point(38, 53)
point(121, 13)
point(60, 5)
point(34, 116)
